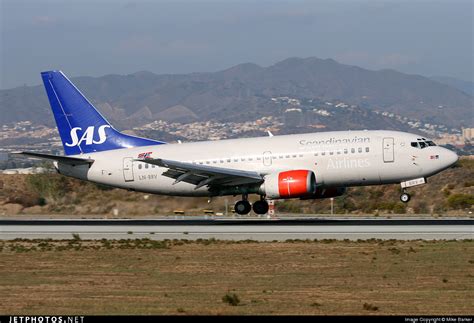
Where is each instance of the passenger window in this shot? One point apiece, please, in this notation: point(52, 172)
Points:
point(251, 159)
point(366, 149)
point(228, 160)
point(323, 153)
point(353, 150)
point(208, 162)
point(258, 158)
point(287, 156)
point(338, 152)
point(139, 166)
point(294, 156)
point(359, 150)
point(214, 161)
point(280, 156)
point(301, 155)
point(146, 166)
point(345, 151)
point(152, 166)
point(315, 154)
point(331, 153)
point(236, 160)
point(200, 163)
point(222, 161)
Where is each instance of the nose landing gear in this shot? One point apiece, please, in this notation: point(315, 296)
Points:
point(405, 197)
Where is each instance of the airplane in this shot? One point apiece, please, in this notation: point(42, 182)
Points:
point(305, 166)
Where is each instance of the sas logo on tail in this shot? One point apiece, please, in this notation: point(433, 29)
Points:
point(87, 136)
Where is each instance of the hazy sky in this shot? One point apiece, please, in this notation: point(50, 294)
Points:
point(112, 36)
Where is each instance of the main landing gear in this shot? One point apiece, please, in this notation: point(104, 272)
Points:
point(260, 207)
point(243, 207)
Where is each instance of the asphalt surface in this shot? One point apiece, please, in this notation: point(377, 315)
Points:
point(241, 229)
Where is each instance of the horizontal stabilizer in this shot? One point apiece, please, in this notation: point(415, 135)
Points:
point(62, 159)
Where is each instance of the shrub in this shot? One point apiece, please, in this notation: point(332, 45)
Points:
point(103, 187)
point(25, 199)
point(399, 208)
point(289, 207)
point(460, 201)
point(370, 307)
point(231, 299)
point(41, 201)
point(48, 186)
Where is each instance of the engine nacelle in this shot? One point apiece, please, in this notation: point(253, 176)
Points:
point(289, 184)
point(323, 193)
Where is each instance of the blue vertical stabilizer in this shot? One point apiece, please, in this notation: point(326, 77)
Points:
point(81, 127)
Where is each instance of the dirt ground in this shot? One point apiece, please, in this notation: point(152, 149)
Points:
point(184, 277)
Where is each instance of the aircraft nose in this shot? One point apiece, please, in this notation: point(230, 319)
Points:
point(450, 157)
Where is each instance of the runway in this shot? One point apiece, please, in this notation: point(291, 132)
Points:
point(242, 229)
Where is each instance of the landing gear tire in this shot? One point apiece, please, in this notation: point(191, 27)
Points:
point(260, 207)
point(405, 197)
point(242, 207)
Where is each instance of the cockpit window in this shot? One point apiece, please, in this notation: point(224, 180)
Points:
point(422, 143)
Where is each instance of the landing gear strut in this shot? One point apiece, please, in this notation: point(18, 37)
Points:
point(243, 207)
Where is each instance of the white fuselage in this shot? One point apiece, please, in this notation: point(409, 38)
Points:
point(338, 159)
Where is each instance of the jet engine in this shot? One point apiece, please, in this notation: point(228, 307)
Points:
point(289, 184)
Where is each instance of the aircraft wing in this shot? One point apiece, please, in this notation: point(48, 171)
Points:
point(62, 159)
point(202, 175)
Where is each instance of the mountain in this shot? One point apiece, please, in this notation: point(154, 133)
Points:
point(465, 86)
point(244, 92)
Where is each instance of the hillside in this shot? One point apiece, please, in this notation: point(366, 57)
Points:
point(450, 192)
point(244, 92)
point(465, 86)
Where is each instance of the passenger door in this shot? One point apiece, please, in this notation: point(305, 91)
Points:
point(128, 169)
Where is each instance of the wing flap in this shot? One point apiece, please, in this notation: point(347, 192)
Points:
point(202, 175)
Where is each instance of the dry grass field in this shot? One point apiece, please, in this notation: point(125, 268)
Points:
point(184, 277)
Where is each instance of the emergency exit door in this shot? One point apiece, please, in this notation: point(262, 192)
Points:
point(267, 158)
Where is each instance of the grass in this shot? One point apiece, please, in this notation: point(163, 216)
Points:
point(143, 276)
point(231, 299)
